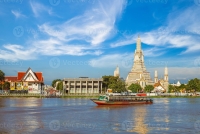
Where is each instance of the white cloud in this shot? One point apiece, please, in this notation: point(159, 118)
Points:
point(17, 14)
point(112, 60)
point(88, 30)
point(153, 52)
point(56, 47)
point(38, 8)
point(123, 42)
point(124, 60)
point(93, 27)
point(182, 30)
point(80, 35)
point(15, 52)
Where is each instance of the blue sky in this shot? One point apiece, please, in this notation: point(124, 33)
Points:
point(72, 38)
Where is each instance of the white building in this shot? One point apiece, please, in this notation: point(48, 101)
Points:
point(116, 72)
point(176, 84)
point(161, 85)
point(27, 82)
point(83, 85)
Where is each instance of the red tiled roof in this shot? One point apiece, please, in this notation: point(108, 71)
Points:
point(10, 78)
point(39, 76)
point(20, 75)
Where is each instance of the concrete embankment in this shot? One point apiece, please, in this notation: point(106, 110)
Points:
point(51, 96)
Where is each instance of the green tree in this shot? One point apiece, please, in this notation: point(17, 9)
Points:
point(53, 84)
point(187, 88)
point(119, 86)
point(176, 89)
point(2, 75)
point(105, 82)
point(149, 88)
point(171, 89)
point(197, 82)
point(194, 84)
point(181, 87)
point(6, 85)
point(135, 88)
point(114, 83)
point(60, 86)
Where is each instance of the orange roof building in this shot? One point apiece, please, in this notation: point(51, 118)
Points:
point(29, 80)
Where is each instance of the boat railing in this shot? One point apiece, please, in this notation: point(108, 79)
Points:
point(128, 98)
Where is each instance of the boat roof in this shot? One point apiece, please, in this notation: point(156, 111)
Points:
point(133, 96)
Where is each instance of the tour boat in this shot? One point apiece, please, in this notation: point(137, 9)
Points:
point(122, 100)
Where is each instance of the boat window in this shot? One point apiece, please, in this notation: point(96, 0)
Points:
point(101, 97)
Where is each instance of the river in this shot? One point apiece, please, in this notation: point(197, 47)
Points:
point(82, 116)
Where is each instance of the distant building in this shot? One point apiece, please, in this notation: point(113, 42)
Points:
point(161, 85)
point(83, 85)
point(176, 84)
point(116, 72)
point(29, 81)
point(138, 73)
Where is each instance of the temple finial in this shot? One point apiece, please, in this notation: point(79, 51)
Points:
point(138, 47)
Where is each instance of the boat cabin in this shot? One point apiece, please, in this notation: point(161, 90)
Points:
point(123, 98)
point(103, 97)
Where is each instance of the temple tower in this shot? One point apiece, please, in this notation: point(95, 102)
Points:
point(138, 72)
point(138, 58)
point(156, 77)
point(166, 74)
point(116, 72)
point(166, 80)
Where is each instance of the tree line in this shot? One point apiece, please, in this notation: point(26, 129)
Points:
point(193, 85)
point(118, 85)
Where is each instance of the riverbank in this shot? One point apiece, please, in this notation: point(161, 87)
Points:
point(79, 96)
point(43, 96)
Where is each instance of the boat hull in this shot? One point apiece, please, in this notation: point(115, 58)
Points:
point(100, 102)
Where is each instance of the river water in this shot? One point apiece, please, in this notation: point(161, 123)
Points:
point(74, 116)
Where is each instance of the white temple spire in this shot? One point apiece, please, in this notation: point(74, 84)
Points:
point(138, 47)
point(166, 71)
point(166, 74)
point(116, 72)
point(156, 76)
